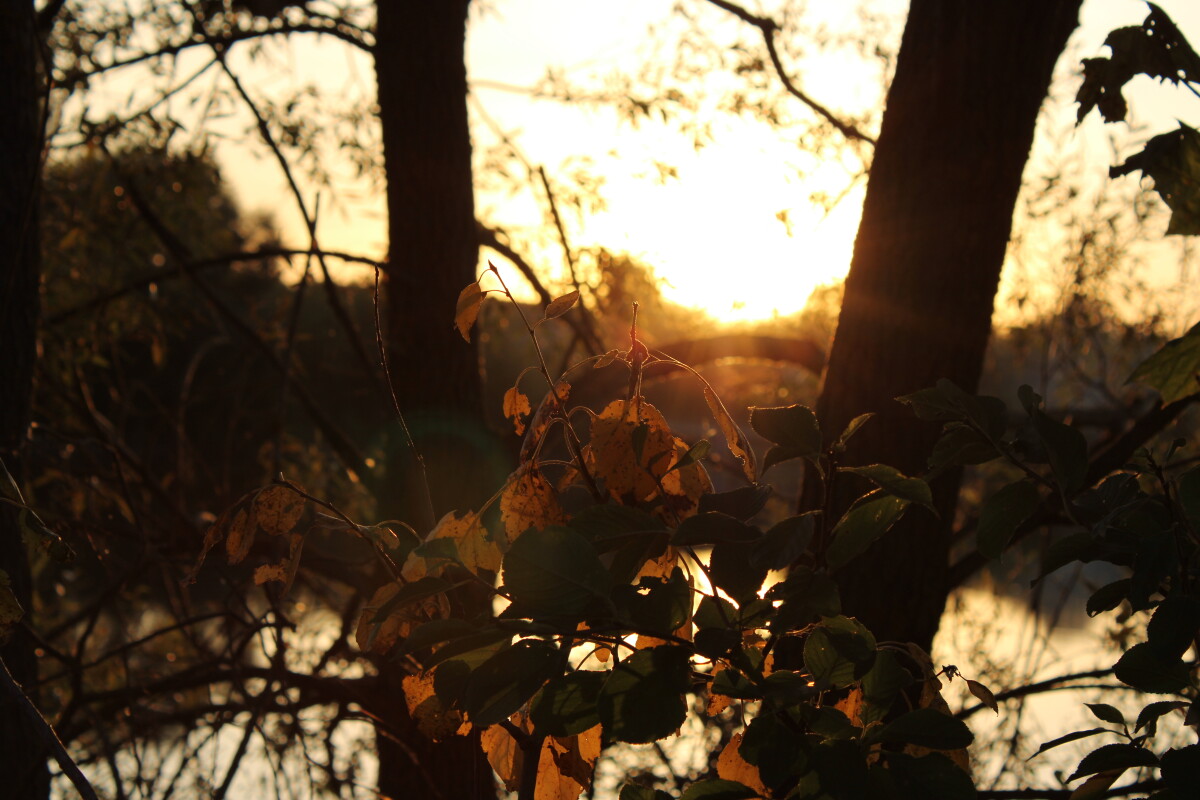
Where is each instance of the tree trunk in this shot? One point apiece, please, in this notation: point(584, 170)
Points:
point(970, 79)
point(435, 374)
point(22, 759)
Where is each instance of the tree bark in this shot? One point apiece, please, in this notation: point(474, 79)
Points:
point(961, 111)
point(22, 758)
point(433, 254)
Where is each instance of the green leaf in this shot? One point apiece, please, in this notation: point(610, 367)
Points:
point(927, 727)
point(741, 503)
point(610, 521)
point(960, 445)
point(1070, 737)
point(851, 429)
point(631, 791)
point(717, 789)
point(715, 612)
point(945, 402)
point(1002, 514)
point(1106, 713)
point(793, 430)
point(828, 666)
point(503, 683)
point(894, 482)
point(882, 685)
point(806, 595)
point(472, 650)
point(1114, 756)
point(1173, 160)
point(775, 748)
point(1108, 597)
point(785, 542)
point(1145, 669)
point(732, 571)
point(712, 527)
point(1066, 449)
point(1150, 714)
point(554, 572)
point(655, 604)
point(1181, 770)
point(861, 525)
point(434, 632)
point(643, 698)
point(695, 453)
point(930, 776)
point(567, 705)
point(1175, 368)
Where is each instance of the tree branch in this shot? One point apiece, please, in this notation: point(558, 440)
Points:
point(769, 27)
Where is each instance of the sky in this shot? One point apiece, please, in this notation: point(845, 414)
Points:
point(734, 233)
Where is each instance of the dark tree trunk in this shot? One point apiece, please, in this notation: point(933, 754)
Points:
point(435, 374)
point(22, 759)
point(956, 134)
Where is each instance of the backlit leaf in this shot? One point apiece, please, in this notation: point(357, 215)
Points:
point(627, 476)
point(529, 501)
point(475, 550)
point(1114, 756)
point(516, 408)
point(433, 718)
point(277, 509)
point(983, 695)
point(1175, 369)
point(734, 438)
point(862, 525)
point(469, 300)
point(894, 482)
point(561, 305)
point(1173, 160)
point(732, 767)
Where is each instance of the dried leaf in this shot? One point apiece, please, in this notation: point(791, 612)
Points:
point(546, 412)
point(277, 509)
point(717, 702)
point(240, 537)
point(212, 537)
point(475, 550)
point(629, 476)
point(732, 767)
point(851, 705)
point(606, 359)
point(469, 300)
point(433, 718)
point(561, 305)
point(376, 636)
point(733, 436)
point(516, 408)
point(529, 501)
point(684, 486)
point(984, 695)
point(270, 572)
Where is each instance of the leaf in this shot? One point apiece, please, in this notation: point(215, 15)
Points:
point(1181, 770)
point(894, 482)
point(1066, 449)
point(1002, 514)
point(793, 430)
point(828, 667)
point(1173, 160)
point(930, 776)
point(960, 445)
point(1108, 597)
point(694, 454)
point(433, 717)
point(504, 754)
point(643, 699)
point(1114, 756)
point(731, 570)
point(861, 525)
point(1150, 714)
point(567, 704)
point(554, 572)
point(264, 573)
point(1074, 736)
point(711, 527)
point(718, 789)
point(735, 440)
point(529, 501)
point(396, 609)
point(1106, 713)
point(732, 767)
point(1174, 626)
point(983, 695)
point(1145, 669)
point(474, 549)
point(927, 727)
point(548, 411)
point(516, 407)
point(1173, 370)
point(630, 477)
point(741, 503)
point(501, 685)
point(561, 305)
point(239, 536)
point(785, 542)
point(851, 429)
point(469, 300)
point(277, 509)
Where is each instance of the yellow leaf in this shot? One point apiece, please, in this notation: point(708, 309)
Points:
point(613, 452)
point(475, 549)
point(277, 509)
point(606, 359)
point(516, 408)
point(378, 636)
point(733, 436)
point(239, 537)
point(433, 718)
point(561, 305)
point(732, 767)
point(469, 300)
point(717, 702)
point(270, 572)
point(529, 501)
point(851, 705)
point(504, 754)
point(684, 486)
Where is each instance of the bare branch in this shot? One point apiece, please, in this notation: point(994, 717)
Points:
point(769, 27)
